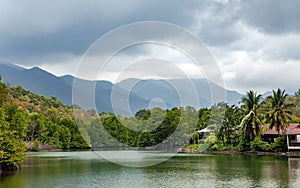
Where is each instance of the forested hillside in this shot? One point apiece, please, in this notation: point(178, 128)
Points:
point(30, 121)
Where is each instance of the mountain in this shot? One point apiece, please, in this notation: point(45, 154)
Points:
point(108, 97)
point(120, 98)
point(181, 92)
point(36, 80)
point(44, 83)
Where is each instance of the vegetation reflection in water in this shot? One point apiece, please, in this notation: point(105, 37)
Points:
point(86, 169)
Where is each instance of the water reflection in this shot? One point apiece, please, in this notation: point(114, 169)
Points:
point(86, 169)
point(294, 171)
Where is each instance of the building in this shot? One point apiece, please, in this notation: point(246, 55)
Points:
point(292, 132)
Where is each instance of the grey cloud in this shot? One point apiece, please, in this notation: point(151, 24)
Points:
point(41, 28)
point(266, 76)
point(36, 32)
point(272, 16)
point(48, 27)
point(220, 23)
point(219, 34)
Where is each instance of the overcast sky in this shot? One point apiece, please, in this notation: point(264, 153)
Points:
point(256, 44)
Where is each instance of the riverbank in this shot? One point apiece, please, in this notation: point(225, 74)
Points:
point(232, 152)
point(41, 147)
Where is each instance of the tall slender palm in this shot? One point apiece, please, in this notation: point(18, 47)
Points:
point(250, 124)
point(279, 113)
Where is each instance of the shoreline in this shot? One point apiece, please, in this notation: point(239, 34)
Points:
point(198, 151)
point(236, 152)
point(41, 147)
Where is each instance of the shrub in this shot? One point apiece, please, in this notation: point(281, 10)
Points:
point(259, 145)
point(222, 147)
point(210, 141)
point(193, 146)
point(36, 146)
point(205, 146)
point(280, 143)
point(244, 144)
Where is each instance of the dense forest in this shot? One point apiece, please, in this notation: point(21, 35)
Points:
point(32, 122)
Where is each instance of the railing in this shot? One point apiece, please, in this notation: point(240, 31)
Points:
point(294, 144)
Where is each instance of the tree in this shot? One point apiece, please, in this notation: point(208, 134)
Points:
point(297, 93)
point(13, 127)
point(230, 126)
point(142, 114)
point(279, 113)
point(3, 91)
point(204, 117)
point(250, 124)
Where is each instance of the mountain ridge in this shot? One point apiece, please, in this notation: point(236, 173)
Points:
point(136, 92)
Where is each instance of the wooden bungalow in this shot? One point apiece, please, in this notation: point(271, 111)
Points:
point(292, 133)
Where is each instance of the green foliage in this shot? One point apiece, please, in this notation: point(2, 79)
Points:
point(279, 113)
point(3, 94)
point(204, 117)
point(27, 117)
point(244, 144)
point(36, 146)
point(13, 124)
point(210, 141)
point(224, 120)
point(173, 128)
point(227, 133)
point(213, 143)
point(280, 143)
point(33, 103)
point(258, 145)
point(143, 114)
point(251, 122)
point(297, 93)
point(193, 146)
point(223, 147)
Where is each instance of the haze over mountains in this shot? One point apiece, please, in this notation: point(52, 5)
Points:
point(131, 94)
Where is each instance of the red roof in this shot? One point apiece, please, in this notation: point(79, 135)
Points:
point(292, 129)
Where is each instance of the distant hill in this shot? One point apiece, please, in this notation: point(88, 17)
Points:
point(37, 81)
point(181, 92)
point(142, 92)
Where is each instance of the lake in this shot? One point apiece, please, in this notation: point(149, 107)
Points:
point(87, 169)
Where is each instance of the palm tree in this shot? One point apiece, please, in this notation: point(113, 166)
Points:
point(297, 93)
point(250, 124)
point(279, 113)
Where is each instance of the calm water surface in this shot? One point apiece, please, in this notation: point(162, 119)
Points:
point(86, 169)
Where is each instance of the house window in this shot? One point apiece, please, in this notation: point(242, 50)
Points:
point(293, 137)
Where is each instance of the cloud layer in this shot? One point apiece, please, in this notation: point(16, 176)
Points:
point(255, 43)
